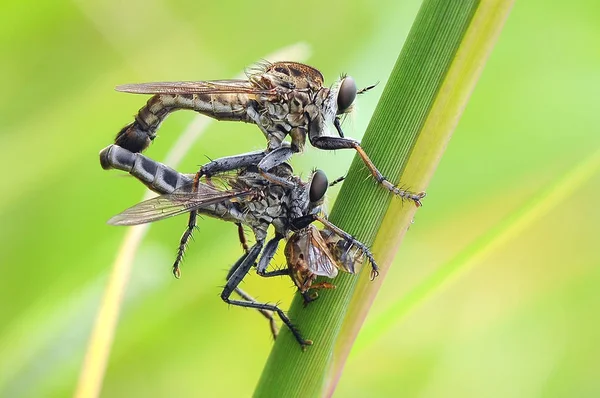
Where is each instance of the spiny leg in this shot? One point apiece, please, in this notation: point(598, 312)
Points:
point(242, 237)
point(311, 294)
point(353, 241)
point(267, 314)
point(267, 256)
point(273, 159)
point(331, 143)
point(264, 160)
point(187, 234)
point(236, 277)
point(242, 293)
point(235, 162)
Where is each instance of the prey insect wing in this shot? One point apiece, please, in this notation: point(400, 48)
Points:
point(321, 262)
point(347, 254)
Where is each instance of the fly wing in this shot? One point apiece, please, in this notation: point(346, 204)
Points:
point(173, 204)
point(195, 87)
point(320, 261)
point(348, 256)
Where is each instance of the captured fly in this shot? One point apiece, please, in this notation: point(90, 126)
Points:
point(245, 198)
point(311, 252)
point(281, 98)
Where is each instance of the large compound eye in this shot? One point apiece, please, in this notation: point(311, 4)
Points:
point(346, 94)
point(318, 186)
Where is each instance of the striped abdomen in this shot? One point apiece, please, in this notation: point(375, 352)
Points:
point(136, 136)
point(156, 176)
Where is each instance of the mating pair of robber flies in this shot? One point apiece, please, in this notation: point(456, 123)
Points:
point(256, 189)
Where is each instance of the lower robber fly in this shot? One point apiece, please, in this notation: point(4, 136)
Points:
point(281, 98)
point(247, 198)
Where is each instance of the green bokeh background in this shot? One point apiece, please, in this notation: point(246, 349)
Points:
point(523, 321)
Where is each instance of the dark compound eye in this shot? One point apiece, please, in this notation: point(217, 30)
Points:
point(318, 186)
point(346, 94)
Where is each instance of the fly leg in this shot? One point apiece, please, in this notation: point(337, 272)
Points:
point(311, 294)
point(266, 313)
point(353, 242)
point(228, 163)
point(187, 233)
point(267, 256)
point(236, 277)
point(242, 237)
point(273, 159)
point(264, 160)
point(332, 143)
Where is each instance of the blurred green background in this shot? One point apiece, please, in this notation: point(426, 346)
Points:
point(521, 321)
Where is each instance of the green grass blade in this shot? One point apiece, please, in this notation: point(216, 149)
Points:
point(419, 108)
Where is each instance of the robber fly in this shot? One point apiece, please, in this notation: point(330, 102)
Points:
point(245, 199)
point(281, 98)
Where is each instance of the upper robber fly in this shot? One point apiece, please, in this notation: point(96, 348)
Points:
point(281, 98)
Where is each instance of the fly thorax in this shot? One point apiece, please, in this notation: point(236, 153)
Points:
point(268, 206)
point(277, 110)
point(275, 207)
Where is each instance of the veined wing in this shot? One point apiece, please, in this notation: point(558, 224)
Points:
point(173, 204)
point(318, 257)
point(348, 256)
point(232, 86)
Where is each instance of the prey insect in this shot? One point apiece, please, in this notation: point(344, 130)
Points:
point(246, 198)
point(281, 98)
point(311, 253)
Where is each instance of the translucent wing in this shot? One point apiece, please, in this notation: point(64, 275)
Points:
point(319, 258)
point(347, 255)
point(195, 87)
point(173, 204)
